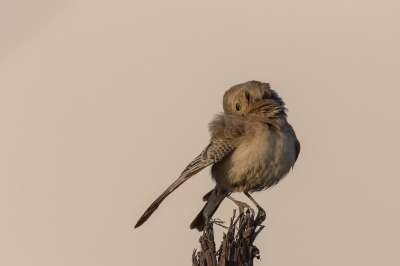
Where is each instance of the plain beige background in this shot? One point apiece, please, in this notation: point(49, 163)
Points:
point(104, 103)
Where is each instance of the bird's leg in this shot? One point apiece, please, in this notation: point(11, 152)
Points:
point(261, 215)
point(240, 204)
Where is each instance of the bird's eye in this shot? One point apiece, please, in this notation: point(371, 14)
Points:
point(237, 107)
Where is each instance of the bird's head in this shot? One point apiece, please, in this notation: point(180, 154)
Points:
point(253, 97)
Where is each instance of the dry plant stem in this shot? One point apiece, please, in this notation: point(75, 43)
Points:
point(237, 247)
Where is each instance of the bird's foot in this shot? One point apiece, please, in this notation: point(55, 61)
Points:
point(261, 215)
point(242, 206)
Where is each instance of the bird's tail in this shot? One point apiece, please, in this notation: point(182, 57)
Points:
point(213, 202)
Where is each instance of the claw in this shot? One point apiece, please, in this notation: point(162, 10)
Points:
point(261, 216)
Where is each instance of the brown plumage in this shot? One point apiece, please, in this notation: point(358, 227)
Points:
point(252, 147)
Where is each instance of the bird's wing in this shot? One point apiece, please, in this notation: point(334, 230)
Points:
point(225, 132)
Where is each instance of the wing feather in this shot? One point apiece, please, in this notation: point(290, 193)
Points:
point(225, 131)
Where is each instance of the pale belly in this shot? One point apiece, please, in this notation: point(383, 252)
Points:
point(261, 160)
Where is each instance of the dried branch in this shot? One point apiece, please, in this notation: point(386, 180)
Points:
point(237, 247)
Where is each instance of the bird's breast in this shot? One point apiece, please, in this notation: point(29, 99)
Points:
point(262, 158)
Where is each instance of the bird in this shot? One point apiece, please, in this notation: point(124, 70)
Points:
point(252, 147)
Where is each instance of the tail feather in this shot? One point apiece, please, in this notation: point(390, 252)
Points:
point(214, 200)
point(208, 195)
